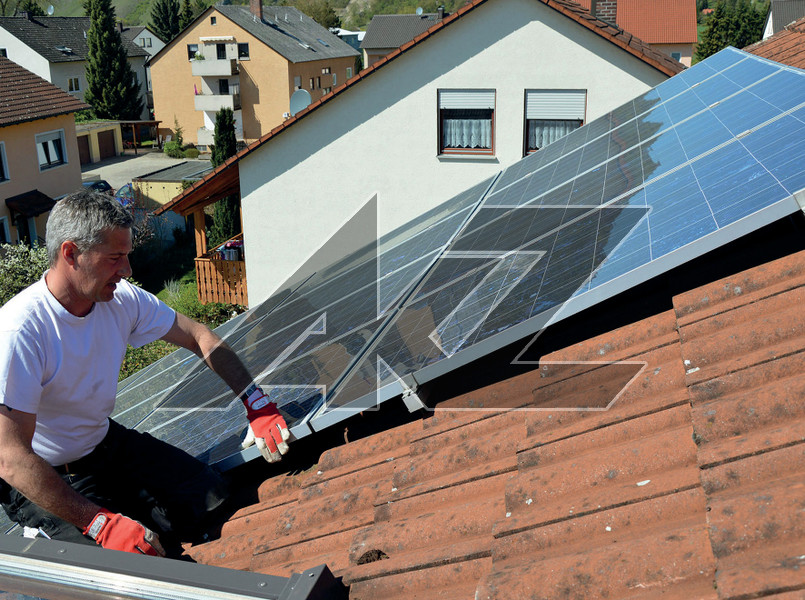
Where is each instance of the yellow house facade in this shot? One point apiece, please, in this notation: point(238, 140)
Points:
point(38, 151)
point(250, 59)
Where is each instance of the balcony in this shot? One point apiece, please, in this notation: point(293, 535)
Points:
point(204, 136)
point(214, 68)
point(215, 102)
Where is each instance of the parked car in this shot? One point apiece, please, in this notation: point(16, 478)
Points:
point(101, 185)
point(125, 195)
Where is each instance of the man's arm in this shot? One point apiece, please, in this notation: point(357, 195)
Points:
point(35, 478)
point(267, 427)
point(213, 350)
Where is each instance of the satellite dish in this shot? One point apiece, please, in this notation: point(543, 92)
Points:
point(419, 10)
point(299, 101)
point(51, 10)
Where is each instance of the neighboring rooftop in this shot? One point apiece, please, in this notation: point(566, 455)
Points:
point(58, 39)
point(192, 170)
point(786, 46)
point(392, 31)
point(690, 485)
point(784, 12)
point(657, 22)
point(26, 97)
point(289, 32)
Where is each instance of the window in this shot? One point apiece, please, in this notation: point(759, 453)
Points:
point(552, 114)
point(220, 51)
point(318, 82)
point(3, 164)
point(192, 50)
point(334, 80)
point(145, 42)
point(466, 121)
point(73, 85)
point(213, 20)
point(327, 90)
point(349, 72)
point(5, 235)
point(3, 53)
point(297, 83)
point(676, 55)
point(50, 149)
point(325, 70)
point(223, 87)
point(311, 84)
point(243, 51)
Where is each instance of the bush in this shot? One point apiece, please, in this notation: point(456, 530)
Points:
point(191, 153)
point(139, 358)
point(20, 266)
point(173, 149)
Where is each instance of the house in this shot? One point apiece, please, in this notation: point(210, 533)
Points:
point(393, 129)
point(38, 151)
point(250, 59)
point(781, 14)
point(55, 49)
point(150, 42)
point(668, 25)
point(386, 33)
point(353, 38)
point(786, 46)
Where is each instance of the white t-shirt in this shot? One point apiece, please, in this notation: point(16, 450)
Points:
point(64, 368)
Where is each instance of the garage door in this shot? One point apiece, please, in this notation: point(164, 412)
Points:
point(83, 150)
point(106, 144)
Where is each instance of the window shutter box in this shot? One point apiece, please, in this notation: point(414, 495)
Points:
point(555, 104)
point(467, 99)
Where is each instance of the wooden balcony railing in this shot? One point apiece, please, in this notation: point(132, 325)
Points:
point(221, 281)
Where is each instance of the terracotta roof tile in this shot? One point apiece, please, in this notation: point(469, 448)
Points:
point(786, 46)
point(657, 22)
point(26, 97)
point(688, 486)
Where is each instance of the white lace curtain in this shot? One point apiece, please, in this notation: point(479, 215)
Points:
point(543, 132)
point(467, 133)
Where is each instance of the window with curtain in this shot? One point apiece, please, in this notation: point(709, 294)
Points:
point(50, 149)
point(552, 114)
point(466, 121)
point(3, 164)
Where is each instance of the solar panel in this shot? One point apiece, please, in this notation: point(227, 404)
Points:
point(705, 157)
point(700, 160)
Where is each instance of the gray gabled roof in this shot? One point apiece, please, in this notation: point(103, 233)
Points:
point(783, 12)
point(392, 31)
point(289, 32)
point(58, 39)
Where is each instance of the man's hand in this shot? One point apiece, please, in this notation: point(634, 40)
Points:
point(267, 428)
point(116, 532)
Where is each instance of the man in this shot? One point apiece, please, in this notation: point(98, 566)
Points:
point(66, 468)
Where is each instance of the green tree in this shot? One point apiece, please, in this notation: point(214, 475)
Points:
point(320, 11)
point(186, 16)
point(31, 7)
point(165, 19)
point(226, 222)
point(732, 23)
point(20, 266)
point(112, 89)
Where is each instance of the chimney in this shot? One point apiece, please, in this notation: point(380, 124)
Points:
point(120, 26)
point(256, 8)
point(440, 13)
point(606, 10)
point(25, 14)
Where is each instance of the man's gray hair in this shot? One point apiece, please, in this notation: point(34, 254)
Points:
point(84, 218)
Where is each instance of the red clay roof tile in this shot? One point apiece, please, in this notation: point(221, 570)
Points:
point(786, 46)
point(657, 22)
point(689, 486)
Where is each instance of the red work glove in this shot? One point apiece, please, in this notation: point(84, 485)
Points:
point(267, 428)
point(116, 532)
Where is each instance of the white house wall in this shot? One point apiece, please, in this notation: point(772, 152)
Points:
point(61, 73)
point(20, 53)
point(381, 136)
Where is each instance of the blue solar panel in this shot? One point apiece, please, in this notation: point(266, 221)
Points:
point(701, 159)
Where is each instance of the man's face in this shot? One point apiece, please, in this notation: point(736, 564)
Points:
point(102, 267)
